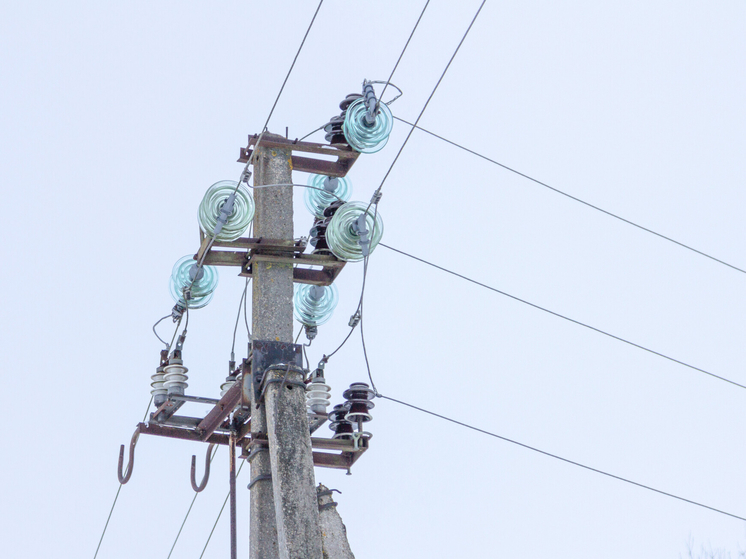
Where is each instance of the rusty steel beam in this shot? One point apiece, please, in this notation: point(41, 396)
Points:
point(345, 156)
point(220, 412)
point(178, 433)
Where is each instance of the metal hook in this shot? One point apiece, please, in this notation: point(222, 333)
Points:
point(206, 477)
point(131, 462)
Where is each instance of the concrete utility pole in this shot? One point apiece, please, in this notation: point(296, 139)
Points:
point(284, 507)
point(333, 531)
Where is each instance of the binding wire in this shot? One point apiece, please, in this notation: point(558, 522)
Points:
point(324, 191)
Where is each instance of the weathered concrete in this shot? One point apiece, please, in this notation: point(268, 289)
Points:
point(286, 422)
point(272, 319)
point(333, 532)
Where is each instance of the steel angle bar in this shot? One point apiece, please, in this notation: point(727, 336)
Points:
point(220, 412)
point(345, 156)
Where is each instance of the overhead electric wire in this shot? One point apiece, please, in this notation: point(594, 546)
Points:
point(116, 497)
point(567, 460)
point(285, 81)
point(388, 81)
point(579, 323)
point(266, 123)
point(241, 303)
point(176, 539)
point(575, 198)
point(164, 342)
point(220, 513)
point(378, 190)
point(461, 42)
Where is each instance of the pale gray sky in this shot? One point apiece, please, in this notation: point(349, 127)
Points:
point(117, 116)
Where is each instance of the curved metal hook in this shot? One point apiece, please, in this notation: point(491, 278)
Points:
point(131, 462)
point(206, 477)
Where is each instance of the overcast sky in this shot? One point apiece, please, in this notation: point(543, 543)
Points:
point(117, 116)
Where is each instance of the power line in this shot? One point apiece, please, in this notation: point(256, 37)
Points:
point(176, 539)
point(583, 324)
point(303, 42)
point(220, 513)
point(545, 453)
point(461, 42)
point(116, 497)
point(575, 198)
point(388, 81)
point(378, 190)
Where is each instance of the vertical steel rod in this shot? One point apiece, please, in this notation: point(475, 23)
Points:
point(232, 460)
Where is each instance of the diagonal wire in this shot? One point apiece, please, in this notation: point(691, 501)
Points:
point(292, 65)
point(583, 324)
point(555, 456)
point(116, 497)
point(388, 81)
point(431, 95)
point(214, 452)
point(220, 514)
point(264, 128)
point(575, 198)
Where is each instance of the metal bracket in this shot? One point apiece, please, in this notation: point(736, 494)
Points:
point(345, 155)
point(266, 353)
point(261, 477)
point(314, 269)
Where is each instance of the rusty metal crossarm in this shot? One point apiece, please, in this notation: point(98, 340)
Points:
point(345, 155)
point(220, 412)
point(179, 433)
point(166, 410)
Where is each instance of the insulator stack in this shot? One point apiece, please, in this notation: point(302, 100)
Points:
point(351, 237)
point(199, 282)
point(325, 191)
point(175, 376)
point(313, 305)
point(362, 136)
point(226, 210)
point(359, 403)
point(334, 128)
point(318, 395)
point(158, 391)
point(226, 386)
point(318, 231)
point(342, 428)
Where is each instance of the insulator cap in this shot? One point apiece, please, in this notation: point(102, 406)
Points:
point(342, 428)
point(202, 288)
point(175, 376)
point(313, 305)
point(359, 403)
point(362, 137)
point(342, 236)
point(318, 394)
point(326, 191)
point(237, 220)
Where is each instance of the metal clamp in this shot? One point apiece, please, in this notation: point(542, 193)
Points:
point(262, 477)
point(325, 493)
point(287, 367)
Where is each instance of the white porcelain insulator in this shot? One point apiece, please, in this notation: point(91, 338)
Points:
point(318, 396)
point(226, 386)
point(175, 378)
point(157, 387)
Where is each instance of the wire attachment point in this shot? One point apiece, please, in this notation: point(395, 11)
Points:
point(354, 319)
